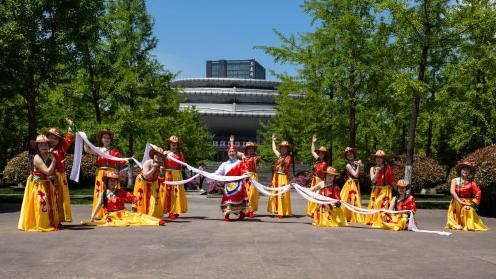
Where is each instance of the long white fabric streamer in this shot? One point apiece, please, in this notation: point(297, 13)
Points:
point(82, 139)
point(306, 193)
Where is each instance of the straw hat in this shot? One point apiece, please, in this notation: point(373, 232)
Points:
point(463, 165)
point(102, 132)
point(173, 139)
point(39, 139)
point(349, 149)
point(402, 183)
point(250, 144)
point(152, 153)
point(322, 149)
point(332, 171)
point(285, 143)
point(111, 175)
point(379, 153)
point(55, 131)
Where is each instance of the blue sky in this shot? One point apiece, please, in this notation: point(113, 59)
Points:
point(193, 31)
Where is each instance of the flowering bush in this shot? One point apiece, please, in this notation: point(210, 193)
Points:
point(215, 187)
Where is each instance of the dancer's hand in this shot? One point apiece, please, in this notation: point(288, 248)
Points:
point(274, 137)
point(314, 138)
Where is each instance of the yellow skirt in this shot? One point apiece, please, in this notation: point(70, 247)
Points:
point(464, 218)
point(312, 207)
point(380, 198)
point(64, 199)
point(147, 197)
point(252, 193)
point(39, 210)
point(123, 218)
point(351, 194)
point(391, 221)
point(99, 188)
point(281, 204)
point(173, 196)
point(329, 217)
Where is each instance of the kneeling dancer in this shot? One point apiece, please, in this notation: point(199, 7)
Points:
point(115, 213)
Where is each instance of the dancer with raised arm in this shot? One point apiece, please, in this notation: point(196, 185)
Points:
point(319, 170)
point(280, 205)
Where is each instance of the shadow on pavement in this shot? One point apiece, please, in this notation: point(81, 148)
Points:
point(10, 207)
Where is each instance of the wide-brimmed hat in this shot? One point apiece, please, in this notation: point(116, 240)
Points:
point(332, 171)
point(322, 149)
point(465, 164)
point(111, 175)
point(102, 132)
point(54, 131)
point(286, 144)
point(154, 151)
point(173, 139)
point(349, 149)
point(402, 183)
point(378, 153)
point(250, 144)
point(39, 139)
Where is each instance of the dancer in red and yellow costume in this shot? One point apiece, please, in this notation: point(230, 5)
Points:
point(104, 138)
point(319, 170)
point(234, 198)
point(404, 201)
point(173, 196)
point(59, 147)
point(147, 188)
point(250, 160)
point(462, 213)
point(112, 202)
point(39, 210)
point(281, 204)
point(327, 215)
point(382, 178)
point(351, 188)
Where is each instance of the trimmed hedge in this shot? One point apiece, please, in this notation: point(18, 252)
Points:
point(17, 169)
point(485, 175)
point(427, 173)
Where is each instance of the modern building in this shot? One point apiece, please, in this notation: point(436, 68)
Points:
point(231, 106)
point(246, 69)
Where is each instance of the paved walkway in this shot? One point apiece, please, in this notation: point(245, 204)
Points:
point(201, 245)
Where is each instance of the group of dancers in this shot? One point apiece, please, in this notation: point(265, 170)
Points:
point(158, 189)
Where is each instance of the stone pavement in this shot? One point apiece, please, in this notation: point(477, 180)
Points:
point(202, 245)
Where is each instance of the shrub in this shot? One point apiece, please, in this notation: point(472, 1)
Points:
point(427, 173)
point(17, 168)
point(485, 175)
point(215, 187)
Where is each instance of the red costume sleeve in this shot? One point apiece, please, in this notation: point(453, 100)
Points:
point(129, 197)
point(389, 176)
point(476, 191)
point(69, 139)
point(336, 192)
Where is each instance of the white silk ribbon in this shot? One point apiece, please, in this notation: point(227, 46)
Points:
point(82, 139)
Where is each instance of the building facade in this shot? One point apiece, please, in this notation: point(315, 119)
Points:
point(245, 69)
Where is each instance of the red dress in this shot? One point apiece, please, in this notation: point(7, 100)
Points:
point(116, 201)
point(171, 165)
point(282, 165)
point(60, 151)
point(385, 177)
point(406, 204)
point(102, 162)
point(470, 190)
point(319, 169)
point(250, 164)
point(332, 192)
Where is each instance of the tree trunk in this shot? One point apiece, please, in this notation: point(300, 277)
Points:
point(413, 119)
point(94, 92)
point(353, 128)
